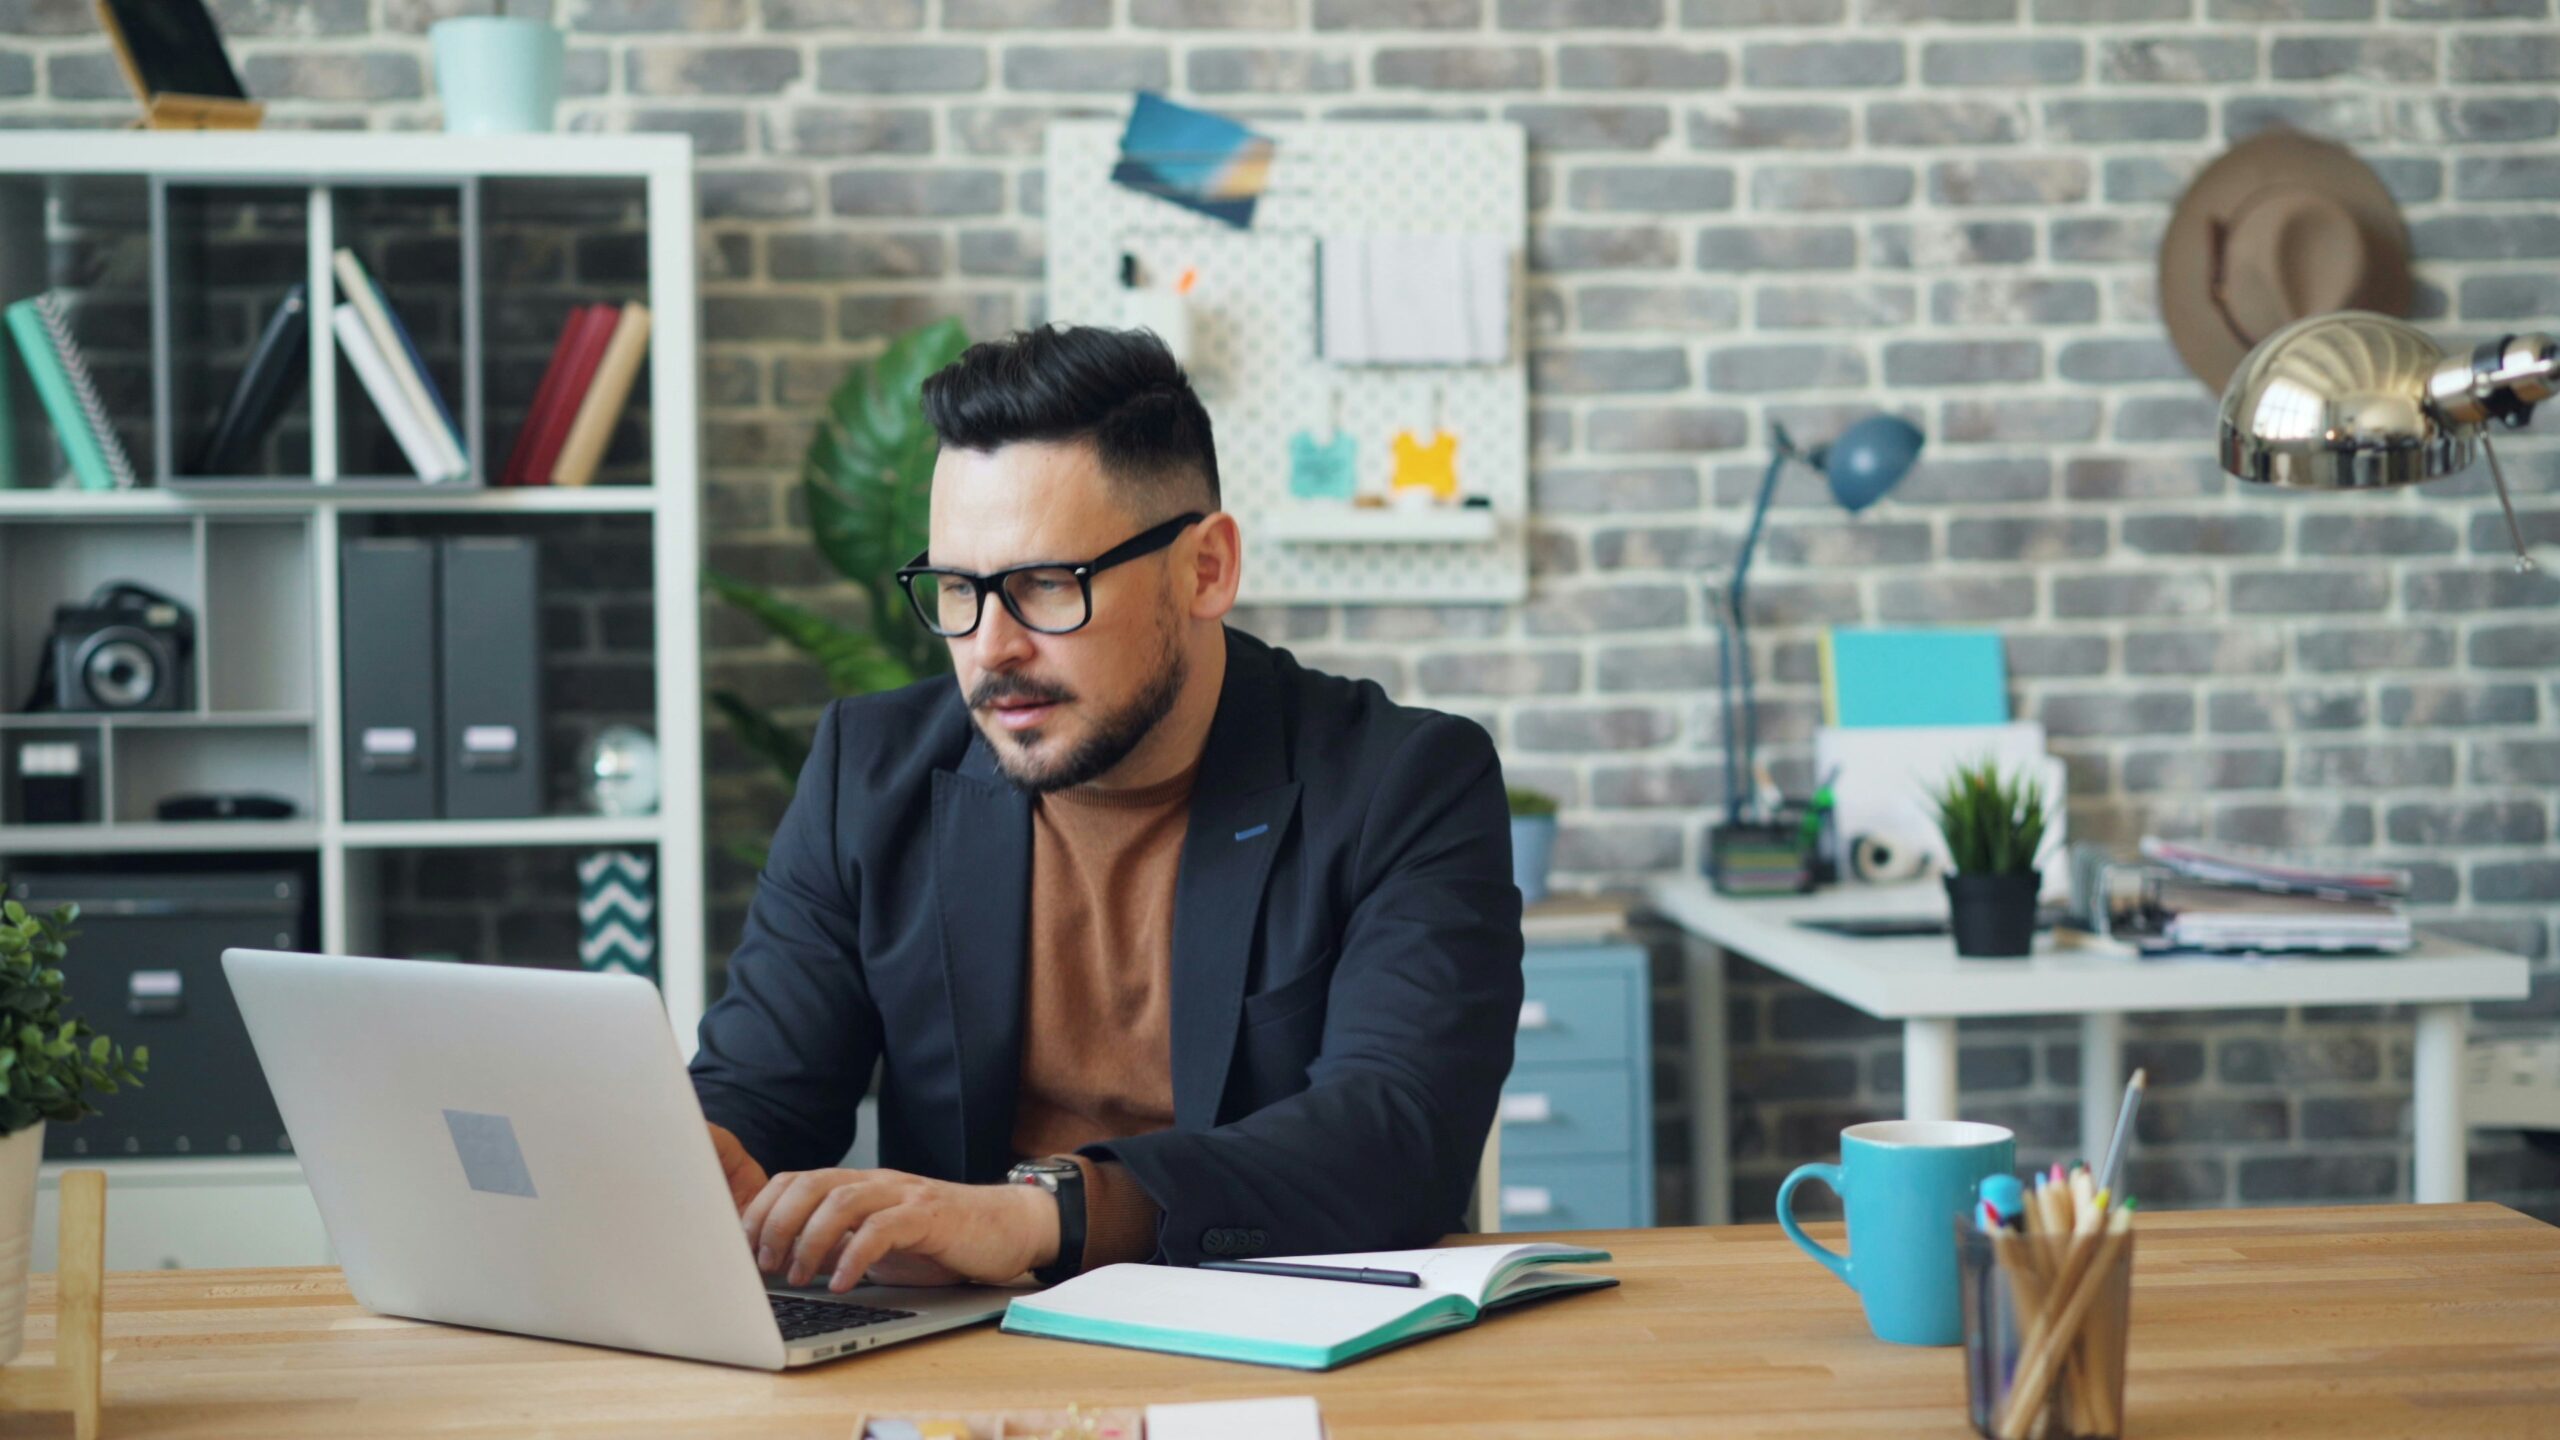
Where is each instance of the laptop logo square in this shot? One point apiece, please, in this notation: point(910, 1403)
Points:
point(491, 1160)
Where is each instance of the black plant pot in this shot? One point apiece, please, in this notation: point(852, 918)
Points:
point(1993, 917)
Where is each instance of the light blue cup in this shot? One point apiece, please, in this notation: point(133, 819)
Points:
point(1905, 1184)
point(498, 76)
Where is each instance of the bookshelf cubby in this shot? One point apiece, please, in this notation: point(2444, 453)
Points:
point(171, 252)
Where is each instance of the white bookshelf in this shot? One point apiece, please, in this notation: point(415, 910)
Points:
point(258, 558)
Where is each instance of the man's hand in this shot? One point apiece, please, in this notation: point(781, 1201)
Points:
point(746, 1177)
point(898, 1229)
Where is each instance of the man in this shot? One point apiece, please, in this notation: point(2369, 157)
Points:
point(1209, 954)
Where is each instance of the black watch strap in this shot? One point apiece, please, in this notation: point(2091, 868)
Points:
point(1069, 1193)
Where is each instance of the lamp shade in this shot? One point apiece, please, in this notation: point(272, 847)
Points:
point(1868, 459)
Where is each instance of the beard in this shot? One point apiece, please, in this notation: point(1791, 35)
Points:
point(1114, 734)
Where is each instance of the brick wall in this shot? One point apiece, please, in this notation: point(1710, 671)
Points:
point(1745, 211)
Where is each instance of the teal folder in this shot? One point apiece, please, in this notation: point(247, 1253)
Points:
point(61, 403)
point(1873, 678)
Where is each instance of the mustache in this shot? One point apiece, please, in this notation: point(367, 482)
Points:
point(1017, 687)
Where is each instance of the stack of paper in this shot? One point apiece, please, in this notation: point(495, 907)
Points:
point(2237, 899)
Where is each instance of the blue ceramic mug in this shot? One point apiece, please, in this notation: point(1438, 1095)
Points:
point(1905, 1184)
point(498, 76)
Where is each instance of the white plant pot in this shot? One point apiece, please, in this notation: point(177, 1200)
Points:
point(20, 1155)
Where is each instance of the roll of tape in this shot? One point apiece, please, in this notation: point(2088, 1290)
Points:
point(1883, 859)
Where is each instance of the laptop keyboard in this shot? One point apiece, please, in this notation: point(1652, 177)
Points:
point(801, 1318)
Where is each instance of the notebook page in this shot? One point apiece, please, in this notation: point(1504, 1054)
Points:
point(1266, 1309)
point(1467, 1271)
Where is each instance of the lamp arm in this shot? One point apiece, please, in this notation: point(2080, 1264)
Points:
point(1734, 656)
point(2502, 379)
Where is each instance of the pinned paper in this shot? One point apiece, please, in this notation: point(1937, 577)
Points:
point(1193, 158)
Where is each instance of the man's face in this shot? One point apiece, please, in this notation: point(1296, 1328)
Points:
point(1058, 710)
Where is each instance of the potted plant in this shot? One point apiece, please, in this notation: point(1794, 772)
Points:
point(1994, 826)
point(52, 1067)
point(1533, 841)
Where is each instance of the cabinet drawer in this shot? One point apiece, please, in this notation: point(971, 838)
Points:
point(1568, 1195)
point(1574, 1017)
point(1568, 1110)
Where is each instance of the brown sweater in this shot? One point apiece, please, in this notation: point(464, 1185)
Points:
point(1097, 1015)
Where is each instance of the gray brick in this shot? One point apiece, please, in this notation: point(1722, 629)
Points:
point(1831, 187)
point(1760, 369)
point(2434, 705)
point(2109, 12)
point(1976, 482)
point(1774, 603)
point(2509, 297)
point(1500, 672)
point(346, 75)
point(1688, 309)
point(711, 69)
point(2115, 122)
point(755, 194)
point(1458, 67)
point(1602, 247)
point(1635, 429)
point(1689, 667)
point(2498, 59)
point(2280, 10)
point(2390, 59)
point(1579, 14)
point(1214, 14)
point(1852, 543)
point(2171, 1120)
point(835, 131)
point(2392, 648)
point(1613, 490)
point(2244, 712)
point(2145, 179)
point(2389, 765)
point(2308, 592)
point(1946, 244)
point(1398, 14)
point(715, 133)
point(1821, 64)
point(2511, 880)
point(2377, 1117)
point(2509, 647)
point(2177, 60)
point(1591, 127)
point(1011, 129)
point(1013, 254)
point(1833, 307)
point(2490, 120)
point(2056, 657)
point(1589, 728)
point(902, 69)
point(2338, 117)
point(2489, 532)
point(1617, 849)
point(1946, 122)
point(2515, 762)
point(640, 16)
point(2470, 9)
point(2005, 301)
point(1398, 624)
point(2294, 827)
point(1642, 787)
point(2112, 238)
point(2370, 534)
point(1262, 70)
point(1593, 371)
point(839, 255)
point(2142, 596)
point(2477, 236)
point(1777, 247)
point(17, 74)
point(2053, 180)
point(843, 14)
point(1736, 14)
point(1946, 599)
point(1026, 14)
point(935, 192)
point(2249, 650)
point(2209, 771)
point(2212, 533)
point(1665, 189)
point(2412, 180)
point(1087, 67)
point(2478, 822)
point(92, 76)
point(2326, 1177)
point(2116, 362)
point(2000, 63)
point(761, 317)
point(1769, 127)
point(2084, 713)
point(1641, 67)
point(2017, 421)
point(2471, 589)
point(2037, 539)
point(1962, 362)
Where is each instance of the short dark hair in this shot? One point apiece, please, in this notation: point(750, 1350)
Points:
point(1120, 389)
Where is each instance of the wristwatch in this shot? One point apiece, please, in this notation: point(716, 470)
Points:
point(1064, 1180)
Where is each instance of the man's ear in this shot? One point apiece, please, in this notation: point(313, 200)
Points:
point(1217, 566)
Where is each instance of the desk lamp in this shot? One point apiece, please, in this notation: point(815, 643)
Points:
point(1868, 459)
point(2353, 400)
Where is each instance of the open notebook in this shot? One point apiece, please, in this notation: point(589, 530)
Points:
point(1301, 1324)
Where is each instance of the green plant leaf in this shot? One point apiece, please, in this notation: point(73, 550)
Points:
point(853, 660)
point(783, 749)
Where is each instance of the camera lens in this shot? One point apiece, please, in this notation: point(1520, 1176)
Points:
point(119, 670)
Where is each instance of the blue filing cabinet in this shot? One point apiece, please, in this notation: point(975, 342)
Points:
point(1577, 1113)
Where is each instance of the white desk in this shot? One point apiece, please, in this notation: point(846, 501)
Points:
point(1920, 982)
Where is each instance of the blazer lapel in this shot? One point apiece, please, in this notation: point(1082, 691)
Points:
point(1241, 809)
point(982, 877)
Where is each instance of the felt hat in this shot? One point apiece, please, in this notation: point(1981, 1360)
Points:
point(2282, 227)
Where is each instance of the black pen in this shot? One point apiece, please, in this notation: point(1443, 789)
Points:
point(1404, 1279)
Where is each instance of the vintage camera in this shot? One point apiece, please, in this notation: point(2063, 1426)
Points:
point(127, 647)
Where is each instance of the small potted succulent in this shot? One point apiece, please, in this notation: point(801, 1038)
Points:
point(53, 1066)
point(1533, 841)
point(1994, 827)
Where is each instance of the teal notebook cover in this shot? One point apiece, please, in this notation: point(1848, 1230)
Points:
point(1293, 1323)
point(1914, 677)
point(61, 405)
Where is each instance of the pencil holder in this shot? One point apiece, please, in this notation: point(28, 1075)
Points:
point(2044, 1334)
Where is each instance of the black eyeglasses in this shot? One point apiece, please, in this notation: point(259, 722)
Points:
point(1052, 597)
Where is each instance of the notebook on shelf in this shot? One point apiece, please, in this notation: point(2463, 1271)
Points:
point(583, 342)
point(274, 371)
point(373, 370)
point(391, 344)
point(582, 450)
point(69, 394)
point(1294, 1323)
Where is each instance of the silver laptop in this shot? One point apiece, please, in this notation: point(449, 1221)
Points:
point(521, 1150)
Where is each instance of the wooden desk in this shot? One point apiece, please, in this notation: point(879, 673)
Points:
point(2433, 1321)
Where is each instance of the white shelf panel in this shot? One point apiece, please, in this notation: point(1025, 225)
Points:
point(500, 834)
point(57, 505)
point(302, 157)
point(156, 719)
point(1354, 525)
point(153, 837)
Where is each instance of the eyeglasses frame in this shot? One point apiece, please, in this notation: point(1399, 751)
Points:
point(1137, 547)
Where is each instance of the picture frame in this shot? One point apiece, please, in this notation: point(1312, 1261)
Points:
point(171, 54)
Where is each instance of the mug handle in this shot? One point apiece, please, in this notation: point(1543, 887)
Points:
point(1832, 1260)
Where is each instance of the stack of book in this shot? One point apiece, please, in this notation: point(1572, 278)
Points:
point(2230, 898)
point(64, 386)
point(581, 396)
point(386, 360)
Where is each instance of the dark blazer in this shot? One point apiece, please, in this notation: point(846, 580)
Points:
point(1346, 964)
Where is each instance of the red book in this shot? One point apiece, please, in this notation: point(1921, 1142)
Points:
point(555, 401)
